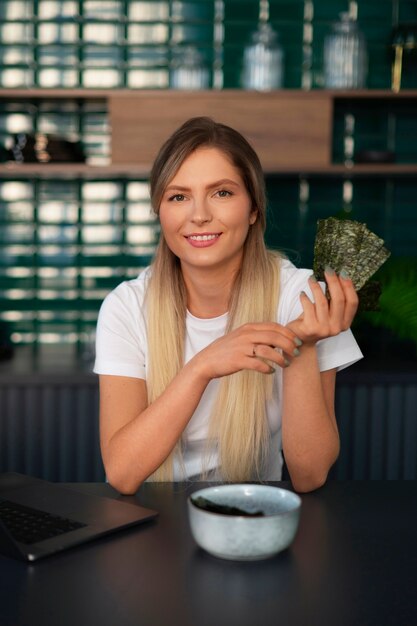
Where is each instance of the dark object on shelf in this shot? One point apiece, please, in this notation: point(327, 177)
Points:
point(375, 156)
point(404, 45)
point(4, 154)
point(41, 148)
point(6, 346)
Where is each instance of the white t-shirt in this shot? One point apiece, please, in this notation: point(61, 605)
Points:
point(122, 350)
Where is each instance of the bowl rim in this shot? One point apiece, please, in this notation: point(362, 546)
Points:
point(291, 511)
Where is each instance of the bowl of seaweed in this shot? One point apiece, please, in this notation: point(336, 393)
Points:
point(244, 522)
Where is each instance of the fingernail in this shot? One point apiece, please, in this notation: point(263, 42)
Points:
point(343, 274)
point(296, 352)
point(286, 362)
point(272, 370)
point(312, 278)
point(329, 270)
point(298, 342)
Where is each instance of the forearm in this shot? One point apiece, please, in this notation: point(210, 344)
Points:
point(139, 447)
point(309, 430)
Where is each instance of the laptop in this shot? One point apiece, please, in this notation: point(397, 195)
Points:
point(39, 518)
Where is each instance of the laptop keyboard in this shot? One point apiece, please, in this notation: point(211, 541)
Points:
point(29, 525)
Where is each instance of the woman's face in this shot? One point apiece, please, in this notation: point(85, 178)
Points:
point(206, 212)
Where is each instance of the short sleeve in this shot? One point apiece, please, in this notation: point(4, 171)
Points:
point(334, 352)
point(121, 345)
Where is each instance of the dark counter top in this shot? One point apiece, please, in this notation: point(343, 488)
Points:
point(351, 563)
point(58, 363)
point(51, 363)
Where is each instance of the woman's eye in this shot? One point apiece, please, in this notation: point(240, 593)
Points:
point(223, 193)
point(178, 197)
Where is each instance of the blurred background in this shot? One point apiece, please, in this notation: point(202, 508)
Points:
point(326, 90)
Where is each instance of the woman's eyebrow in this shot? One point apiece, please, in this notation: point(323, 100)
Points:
point(217, 183)
point(177, 188)
point(223, 181)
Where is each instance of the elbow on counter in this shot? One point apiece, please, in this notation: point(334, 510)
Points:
point(309, 483)
point(309, 475)
point(125, 485)
point(305, 479)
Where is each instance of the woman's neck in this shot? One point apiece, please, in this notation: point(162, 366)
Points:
point(208, 293)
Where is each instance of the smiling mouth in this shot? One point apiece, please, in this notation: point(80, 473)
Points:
point(203, 240)
point(209, 237)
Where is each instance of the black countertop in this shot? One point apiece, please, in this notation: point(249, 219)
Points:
point(353, 563)
point(58, 363)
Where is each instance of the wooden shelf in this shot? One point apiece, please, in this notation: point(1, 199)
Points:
point(101, 94)
point(72, 170)
point(359, 169)
point(291, 129)
point(80, 170)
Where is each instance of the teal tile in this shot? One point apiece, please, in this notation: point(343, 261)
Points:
point(375, 10)
point(189, 11)
point(369, 191)
point(241, 10)
point(192, 33)
point(324, 190)
point(376, 32)
point(329, 10)
point(409, 73)
point(405, 192)
point(407, 11)
point(238, 33)
point(287, 10)
point(290, 34)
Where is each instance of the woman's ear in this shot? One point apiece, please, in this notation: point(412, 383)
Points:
point(253, 216)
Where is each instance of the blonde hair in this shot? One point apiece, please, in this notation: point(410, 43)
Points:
point(238, 425)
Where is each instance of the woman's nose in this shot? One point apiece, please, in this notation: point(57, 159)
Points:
point(201, 212)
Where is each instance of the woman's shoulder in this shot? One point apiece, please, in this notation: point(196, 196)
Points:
point(130, 291)
point(293, 281)
point(292, 276)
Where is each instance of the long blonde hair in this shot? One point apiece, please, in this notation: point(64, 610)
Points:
point(238, 427)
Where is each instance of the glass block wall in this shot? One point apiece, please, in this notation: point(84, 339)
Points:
point(63, 245)
point(65, 242)
point(132, 43)
point(75, 120)
point(386, 203)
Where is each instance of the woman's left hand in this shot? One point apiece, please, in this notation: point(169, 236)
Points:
point(326, 317)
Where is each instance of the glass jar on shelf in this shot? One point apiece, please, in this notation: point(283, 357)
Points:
point(345, 56)
point(263, 60)
point(189, 70)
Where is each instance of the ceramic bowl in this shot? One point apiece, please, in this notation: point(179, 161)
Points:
point(244, 538)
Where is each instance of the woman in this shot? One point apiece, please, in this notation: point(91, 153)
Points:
point(221, 354)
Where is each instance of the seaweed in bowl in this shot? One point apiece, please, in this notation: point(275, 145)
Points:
point(251, 522)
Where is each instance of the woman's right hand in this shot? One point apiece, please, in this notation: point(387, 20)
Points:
point(258, 346)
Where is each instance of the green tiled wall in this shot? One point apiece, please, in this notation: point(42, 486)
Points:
point(83, 120)
point(387, 204)
point(374, 124)
point(116, 43)
point(65, 243)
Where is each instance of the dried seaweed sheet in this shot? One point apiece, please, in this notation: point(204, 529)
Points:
point(369, 296)
point(351, 246)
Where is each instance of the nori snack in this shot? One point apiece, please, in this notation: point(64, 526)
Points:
point(351, 246)
point(371, 256)
point(224, 509)
point(369, 296)
point(322, 245)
